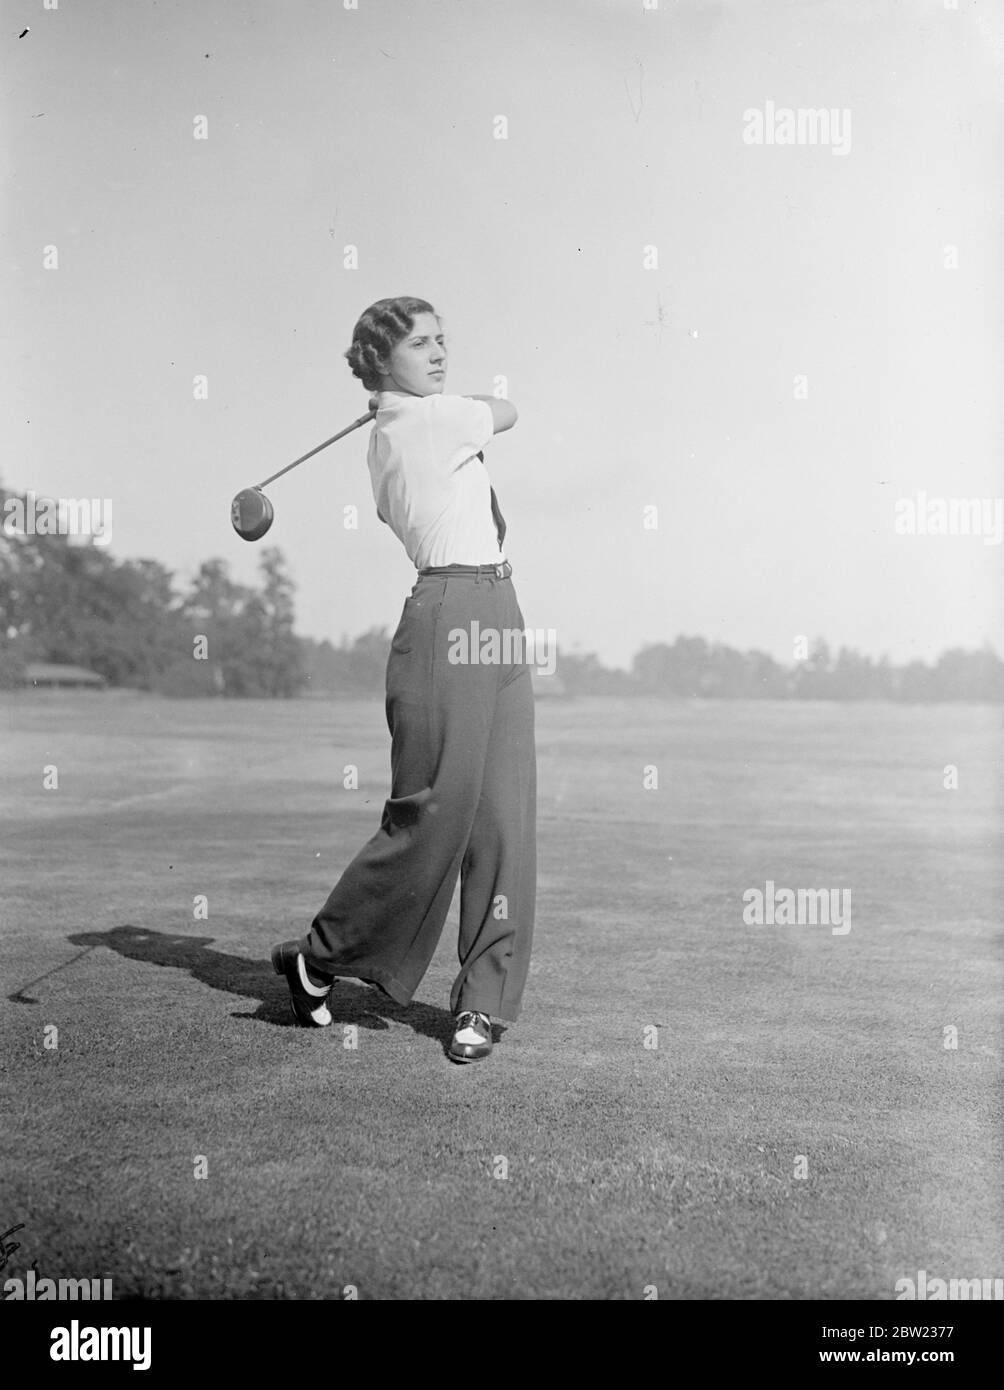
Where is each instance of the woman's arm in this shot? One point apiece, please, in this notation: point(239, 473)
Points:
point(504, 414)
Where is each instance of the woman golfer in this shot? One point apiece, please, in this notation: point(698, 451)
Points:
point(459, 707)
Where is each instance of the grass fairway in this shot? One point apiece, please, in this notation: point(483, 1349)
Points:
point(577, 1162)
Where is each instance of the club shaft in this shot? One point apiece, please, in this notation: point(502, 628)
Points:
point(340, 435)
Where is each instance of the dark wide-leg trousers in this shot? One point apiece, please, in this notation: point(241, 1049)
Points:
point(463, 802)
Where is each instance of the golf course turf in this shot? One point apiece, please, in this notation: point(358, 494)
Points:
point(716, 1109)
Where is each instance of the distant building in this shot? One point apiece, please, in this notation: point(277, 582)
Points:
point(44, 675)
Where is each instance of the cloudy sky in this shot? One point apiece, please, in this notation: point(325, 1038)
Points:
point(769, 343)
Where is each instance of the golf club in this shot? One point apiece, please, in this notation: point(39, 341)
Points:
point(251, 511)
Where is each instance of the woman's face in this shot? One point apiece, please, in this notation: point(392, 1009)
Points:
point(418, 363)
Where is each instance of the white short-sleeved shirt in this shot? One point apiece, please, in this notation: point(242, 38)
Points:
point(429, 485)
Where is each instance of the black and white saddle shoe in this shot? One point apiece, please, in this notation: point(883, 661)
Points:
point(472, 1036)
point(309, 1002)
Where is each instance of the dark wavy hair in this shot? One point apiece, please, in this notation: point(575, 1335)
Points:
point(379, 330)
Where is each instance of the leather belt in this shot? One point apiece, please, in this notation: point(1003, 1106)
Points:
point(500, 571)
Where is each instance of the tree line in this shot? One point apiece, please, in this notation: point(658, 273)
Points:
point(66, 601)
point(690, 666)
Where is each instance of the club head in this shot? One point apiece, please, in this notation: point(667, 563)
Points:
point(251, 513)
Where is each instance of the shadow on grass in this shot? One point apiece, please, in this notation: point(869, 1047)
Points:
point(349, 1001)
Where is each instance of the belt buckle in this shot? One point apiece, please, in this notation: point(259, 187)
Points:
point(500, 570)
